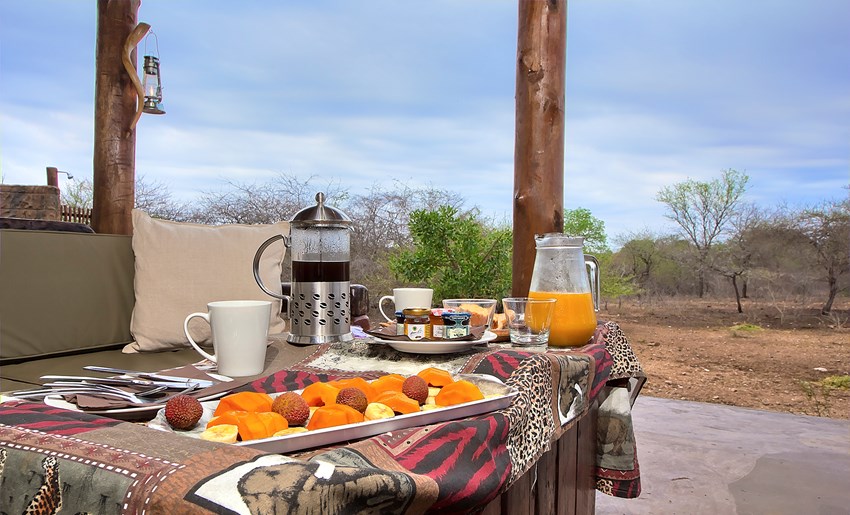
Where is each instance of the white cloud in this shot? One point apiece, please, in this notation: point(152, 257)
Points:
point(371, 92)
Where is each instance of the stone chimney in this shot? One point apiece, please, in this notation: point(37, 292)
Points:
point(35, 202)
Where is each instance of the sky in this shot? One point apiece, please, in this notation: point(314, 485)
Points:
point(373, 91)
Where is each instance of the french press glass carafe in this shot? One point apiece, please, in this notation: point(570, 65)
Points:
point(319, 302)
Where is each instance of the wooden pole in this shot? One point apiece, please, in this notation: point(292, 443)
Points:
point(539, 149)
point(115, 106)
point(52, 176)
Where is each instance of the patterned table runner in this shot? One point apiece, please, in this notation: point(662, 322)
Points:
point(94, 464)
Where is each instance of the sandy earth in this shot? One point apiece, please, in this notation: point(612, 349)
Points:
point(690, 351)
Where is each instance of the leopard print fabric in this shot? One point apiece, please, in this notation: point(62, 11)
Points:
point(606, 486)
point(531, 423)
point(626, 363)
point(48, 499)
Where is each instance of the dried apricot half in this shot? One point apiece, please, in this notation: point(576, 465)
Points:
point(458, 393)
point(436, 376)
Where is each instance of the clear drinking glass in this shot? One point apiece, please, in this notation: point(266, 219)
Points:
point(482, 310)
point(529, 321)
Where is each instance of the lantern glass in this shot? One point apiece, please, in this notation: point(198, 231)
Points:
point(152, 86)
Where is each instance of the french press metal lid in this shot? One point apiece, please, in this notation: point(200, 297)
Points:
point(320, 215)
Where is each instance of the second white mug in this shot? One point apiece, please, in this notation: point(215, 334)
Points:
point(404, 298)
point(240, 330)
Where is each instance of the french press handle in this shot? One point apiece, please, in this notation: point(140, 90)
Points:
point(592, 264)
point(257, 257)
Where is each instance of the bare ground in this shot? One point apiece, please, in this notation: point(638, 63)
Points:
point(690, 351)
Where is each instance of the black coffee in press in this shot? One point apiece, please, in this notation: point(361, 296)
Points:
point(320, 271)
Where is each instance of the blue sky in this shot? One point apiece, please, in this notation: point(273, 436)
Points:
point(366, 92)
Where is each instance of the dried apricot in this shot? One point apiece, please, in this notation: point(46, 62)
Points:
point(252, 425)
point(458, 393)
point(436, 376)
point(389, 382)
point(399, 402)
point(332, 415)
point(244, 401)
point(320, 394)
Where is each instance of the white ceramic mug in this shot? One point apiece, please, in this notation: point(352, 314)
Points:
point(404, 298)
point(240, 330)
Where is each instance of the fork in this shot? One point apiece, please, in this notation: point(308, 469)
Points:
point(105, 387)
point(97, 390)
point(26, 394)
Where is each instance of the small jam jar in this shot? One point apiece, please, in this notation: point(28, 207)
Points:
point(437, 321)
point(417, 323)
point(399, 323)
point(456, 325)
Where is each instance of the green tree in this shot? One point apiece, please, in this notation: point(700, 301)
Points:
point(379, 229)
point(703, 210)
point(639, 257)
point(580, 222)
point(734, 258)
point(615, 283)
point(826, 228)
point(612, 283)
point(455, 254)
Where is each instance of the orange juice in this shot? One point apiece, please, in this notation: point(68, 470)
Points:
point(573, 319)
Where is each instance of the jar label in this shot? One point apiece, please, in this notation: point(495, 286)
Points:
point(458, 331)
point(415, 331)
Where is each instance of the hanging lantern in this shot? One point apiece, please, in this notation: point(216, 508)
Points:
point(149, 92)
point(152, 86)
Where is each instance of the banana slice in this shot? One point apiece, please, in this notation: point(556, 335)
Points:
point(224, 433)
point(376, 410)
point(291, 431)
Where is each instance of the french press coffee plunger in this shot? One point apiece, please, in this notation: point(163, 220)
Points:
point(319, 302)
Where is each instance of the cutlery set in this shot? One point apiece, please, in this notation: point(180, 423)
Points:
point(138, 387)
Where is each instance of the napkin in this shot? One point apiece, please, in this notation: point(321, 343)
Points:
point(86, 401)
point(389, 333)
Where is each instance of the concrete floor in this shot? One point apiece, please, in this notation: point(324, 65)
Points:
point(700, 458)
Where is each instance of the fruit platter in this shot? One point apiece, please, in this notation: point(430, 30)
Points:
point(326, 413)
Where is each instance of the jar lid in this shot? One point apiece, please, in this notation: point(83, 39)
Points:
point(321, 215)
point(417, 312)
point(557, 239)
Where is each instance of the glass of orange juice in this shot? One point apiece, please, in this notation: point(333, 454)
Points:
point(528, 321)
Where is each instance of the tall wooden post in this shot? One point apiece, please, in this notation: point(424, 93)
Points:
point(539, 148)
point(52, 176)
point(115, 105)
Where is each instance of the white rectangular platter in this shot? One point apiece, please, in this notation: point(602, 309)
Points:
point(497, 396)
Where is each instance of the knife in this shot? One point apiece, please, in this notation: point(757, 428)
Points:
point(117, 381)
point(202, 383)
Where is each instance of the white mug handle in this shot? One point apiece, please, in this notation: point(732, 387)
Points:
point(381, 307)
point(206, 317)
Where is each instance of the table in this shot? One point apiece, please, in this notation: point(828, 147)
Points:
point(484, 463)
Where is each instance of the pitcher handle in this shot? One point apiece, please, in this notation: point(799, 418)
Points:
point(593, 265)
point(257, 257)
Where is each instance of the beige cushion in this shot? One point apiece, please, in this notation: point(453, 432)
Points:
point(180, 267)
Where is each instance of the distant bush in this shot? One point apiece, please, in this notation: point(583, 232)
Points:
point(838, 382)
point(746, 328)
